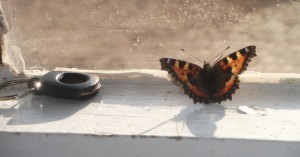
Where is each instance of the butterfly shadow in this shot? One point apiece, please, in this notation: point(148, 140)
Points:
point(200, 120)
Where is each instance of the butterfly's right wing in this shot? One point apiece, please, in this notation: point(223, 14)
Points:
point(228, 70)
point(186, 75)
point(237, 61)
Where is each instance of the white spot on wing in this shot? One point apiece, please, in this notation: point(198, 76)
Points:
point(168, 61)
point(247, 50)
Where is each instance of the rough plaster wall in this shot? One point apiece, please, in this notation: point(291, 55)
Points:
point(3, 30)
point(11, 59)
point(115, 34)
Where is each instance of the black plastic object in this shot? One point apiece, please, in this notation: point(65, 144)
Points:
point(66, 85)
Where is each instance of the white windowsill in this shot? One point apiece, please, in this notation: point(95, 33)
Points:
point(139, 106)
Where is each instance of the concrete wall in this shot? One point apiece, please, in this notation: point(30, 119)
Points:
point(99, 34)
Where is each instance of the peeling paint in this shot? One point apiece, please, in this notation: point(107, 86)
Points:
point(177, 138)
point(18, 133)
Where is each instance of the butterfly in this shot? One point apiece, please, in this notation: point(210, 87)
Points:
point(210, 83)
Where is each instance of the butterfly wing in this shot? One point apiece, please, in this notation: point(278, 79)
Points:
point(228, 70)
point(237, 62)
point(185, 74)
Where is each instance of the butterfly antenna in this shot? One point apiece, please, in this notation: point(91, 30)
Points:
point(218, 59)
point(221, 53)
point(191, 55)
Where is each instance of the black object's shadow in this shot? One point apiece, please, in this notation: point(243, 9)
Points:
point(42, 109)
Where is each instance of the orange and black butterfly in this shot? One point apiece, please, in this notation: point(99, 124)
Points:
point(212, 83)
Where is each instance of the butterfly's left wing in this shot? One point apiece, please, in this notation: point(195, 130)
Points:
point(231, 66)
point(185, 74)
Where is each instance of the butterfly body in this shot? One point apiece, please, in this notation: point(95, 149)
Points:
point(208, 79)
point(212, 83)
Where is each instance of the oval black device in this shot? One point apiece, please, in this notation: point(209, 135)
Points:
point(67, 85)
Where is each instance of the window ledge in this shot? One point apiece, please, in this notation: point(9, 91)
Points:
point(140, 112)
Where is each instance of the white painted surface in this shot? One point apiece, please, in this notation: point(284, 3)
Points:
point(49, 145)
point(148, 116)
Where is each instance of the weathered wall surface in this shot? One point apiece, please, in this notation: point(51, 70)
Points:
point(99, 34)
